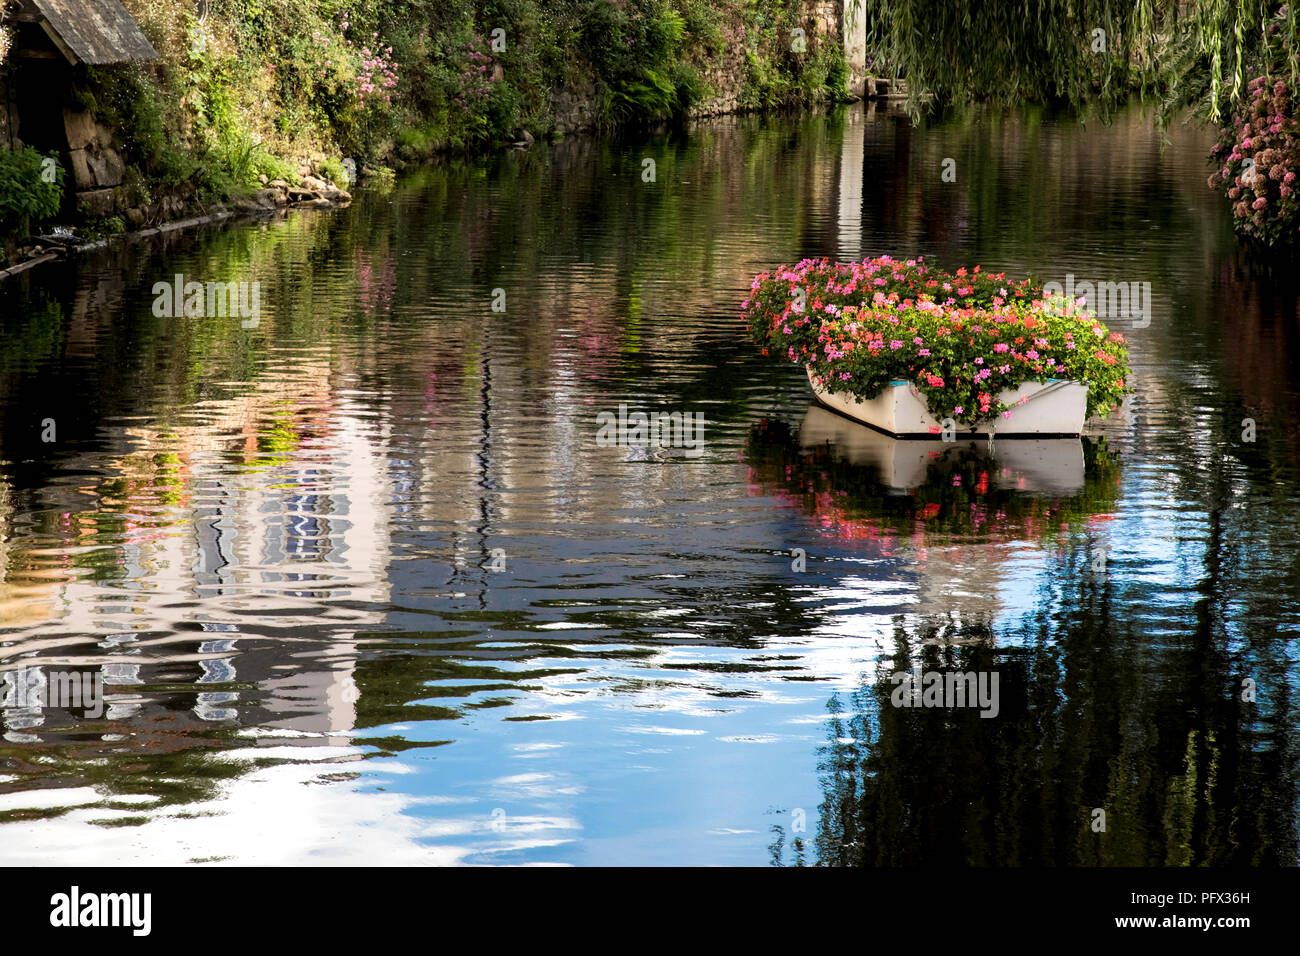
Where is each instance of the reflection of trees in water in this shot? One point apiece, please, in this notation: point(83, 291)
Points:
point(171, 758)
point(1092, 716)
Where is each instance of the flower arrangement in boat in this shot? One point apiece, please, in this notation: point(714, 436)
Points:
point(961, 339)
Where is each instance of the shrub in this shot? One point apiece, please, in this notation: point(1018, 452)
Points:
point(1258, 157)
point(960, 338)
point(332, 170)
point(400, 79)
point(142, 116)
point(27, 190)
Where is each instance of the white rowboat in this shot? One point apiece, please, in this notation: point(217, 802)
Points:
point(1054, 409)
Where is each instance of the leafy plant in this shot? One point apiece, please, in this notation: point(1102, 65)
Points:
point(31, 187)
point(332, 170)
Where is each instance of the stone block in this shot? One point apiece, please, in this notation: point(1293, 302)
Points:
point(82, 177)
point(82, 129)
point(107, 166)
point(97, 202)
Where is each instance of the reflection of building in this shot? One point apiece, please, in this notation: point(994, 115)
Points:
point(277, 497)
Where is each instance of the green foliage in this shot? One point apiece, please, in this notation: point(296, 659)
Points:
point(777, 75)
point(633, 47)
point(332, 169)
point(1227, 41)
point(273, 167)
point(1045, 50)
point(260, 85)
point(103, 228)
point(144, 118)
point(1194, 54)
point(26, 193)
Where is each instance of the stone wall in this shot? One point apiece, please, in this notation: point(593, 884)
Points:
point(574, 107)
point(725, 78)
point(853, 28)
point(97, 170)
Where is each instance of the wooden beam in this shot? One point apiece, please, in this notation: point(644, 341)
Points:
point(58, 42)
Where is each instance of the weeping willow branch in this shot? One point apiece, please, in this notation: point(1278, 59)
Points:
point(1187, 53)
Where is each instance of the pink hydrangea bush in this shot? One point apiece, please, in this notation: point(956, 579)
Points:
point(1256, 159)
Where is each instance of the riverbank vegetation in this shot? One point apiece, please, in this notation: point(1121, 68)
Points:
point(1196, 54)
point(31, 188)
point(254, 87)
point(249, 91)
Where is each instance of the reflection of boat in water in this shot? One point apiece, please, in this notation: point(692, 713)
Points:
point(1055, 409)
point(856, 483)
point(958, 513)
point(1050, 465)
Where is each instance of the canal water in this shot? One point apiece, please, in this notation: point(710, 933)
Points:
point(357, 581)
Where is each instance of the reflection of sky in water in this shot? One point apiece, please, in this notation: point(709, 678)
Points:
point(280, 552)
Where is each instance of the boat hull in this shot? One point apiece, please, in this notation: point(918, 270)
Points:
point(1055, 409)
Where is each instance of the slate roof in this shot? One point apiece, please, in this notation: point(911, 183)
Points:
point(95, 31)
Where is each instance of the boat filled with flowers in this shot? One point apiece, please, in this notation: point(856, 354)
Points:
point(915, 352)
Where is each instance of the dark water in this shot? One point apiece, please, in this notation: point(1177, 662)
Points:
point(362, 585)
